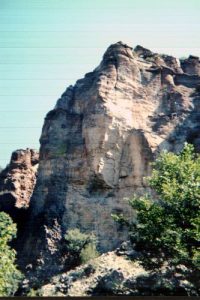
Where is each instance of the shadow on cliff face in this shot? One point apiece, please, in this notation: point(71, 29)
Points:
point(189, 129)
point(40, 249)
point(45, 237)
point(20, 216)
point(177, 109)
point(171, 107)
point(17, 182)
point(136, 159)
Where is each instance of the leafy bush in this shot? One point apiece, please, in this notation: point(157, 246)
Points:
point(168, 229)
point(89, 252)
point(82, 246)
point(10, 276)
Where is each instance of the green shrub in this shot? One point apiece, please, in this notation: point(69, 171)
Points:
point(10, 276)
point(81, 245)
point(168, 229)
point(88, 252)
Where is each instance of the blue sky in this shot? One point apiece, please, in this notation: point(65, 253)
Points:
point(45, 45)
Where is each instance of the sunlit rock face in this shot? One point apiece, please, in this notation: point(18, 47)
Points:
point(98, 143)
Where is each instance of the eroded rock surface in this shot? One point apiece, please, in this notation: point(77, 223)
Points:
point(17, 182)
point(99, 140)
point(191, 65)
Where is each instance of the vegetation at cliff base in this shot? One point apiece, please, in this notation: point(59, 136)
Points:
point(167, 228)
point(10, 276)
point(80, 245)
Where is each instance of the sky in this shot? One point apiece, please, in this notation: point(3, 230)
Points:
point(46, 45)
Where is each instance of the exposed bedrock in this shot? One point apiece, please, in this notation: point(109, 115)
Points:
point(191, 65)
point(98, 143)
point(17, 182)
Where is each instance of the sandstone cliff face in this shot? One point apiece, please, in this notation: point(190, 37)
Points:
point(99, 140)
point(17, 182)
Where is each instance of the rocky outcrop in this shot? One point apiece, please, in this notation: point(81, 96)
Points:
point(111, 274)
point(98, 143)
point(191, 65)
point(17, 182)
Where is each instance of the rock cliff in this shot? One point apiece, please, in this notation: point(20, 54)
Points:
point(17, 182)
point(98, 143)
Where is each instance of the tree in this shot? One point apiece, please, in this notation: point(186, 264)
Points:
point(10, 276)
point(167, 229)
